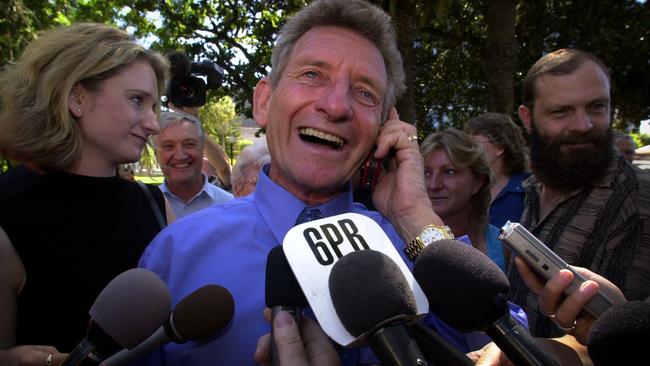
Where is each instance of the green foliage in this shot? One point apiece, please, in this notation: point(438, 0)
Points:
point(220, 120)
point(616, 31)
point(443, 42)
point(147, 160)
point(22, 20)
point(236, 35)
point(4, 165)
point(640, 139)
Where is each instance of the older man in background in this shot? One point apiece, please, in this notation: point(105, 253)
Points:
point(179, 150)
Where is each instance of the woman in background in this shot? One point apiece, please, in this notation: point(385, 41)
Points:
point(81, 100)
point(506, 150)
point(458, 179)
point(249, 163)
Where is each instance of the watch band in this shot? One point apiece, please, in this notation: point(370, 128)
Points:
point(415, 246)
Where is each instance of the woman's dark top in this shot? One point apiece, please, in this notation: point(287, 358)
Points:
point(74, 234)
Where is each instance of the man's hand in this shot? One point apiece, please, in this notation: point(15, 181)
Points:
point(32, 356)
point(564, 310)
point(401, 193)
point(308, 346)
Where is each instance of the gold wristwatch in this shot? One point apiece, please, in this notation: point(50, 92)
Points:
point(428, 235)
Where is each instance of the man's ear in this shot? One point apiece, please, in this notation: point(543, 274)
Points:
point(262, 101)
point(525, 114)
point(77, 101)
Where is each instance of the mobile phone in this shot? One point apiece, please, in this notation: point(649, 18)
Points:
point(546, 263)
point(370, 172)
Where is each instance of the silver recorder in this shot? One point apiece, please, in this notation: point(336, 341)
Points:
point(546, 263)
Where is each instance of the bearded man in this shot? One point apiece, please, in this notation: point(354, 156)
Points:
point(584, 200)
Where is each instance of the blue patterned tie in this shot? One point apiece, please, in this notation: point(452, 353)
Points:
point(309, 214)
point(349, 356)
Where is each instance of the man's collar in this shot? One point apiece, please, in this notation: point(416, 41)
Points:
point(204, 188)
point(279, 208)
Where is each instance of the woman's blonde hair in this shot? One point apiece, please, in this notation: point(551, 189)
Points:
point(464, 152)
point(35, 122)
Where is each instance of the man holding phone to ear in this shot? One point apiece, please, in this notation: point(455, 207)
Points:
point(336, 75)
point(326, 103)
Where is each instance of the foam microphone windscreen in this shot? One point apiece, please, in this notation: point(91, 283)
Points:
point(459, 281)
point(132, 306)
point(179, 64)
point(367, 287)
point(619, 336)
point(204, 312)
point(282, 288)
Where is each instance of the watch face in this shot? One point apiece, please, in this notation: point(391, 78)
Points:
point(431, 234)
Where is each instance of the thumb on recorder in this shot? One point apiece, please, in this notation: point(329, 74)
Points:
point(307, 346)
point(567, 310)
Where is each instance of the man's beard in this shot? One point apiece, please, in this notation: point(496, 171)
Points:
point(566, 171)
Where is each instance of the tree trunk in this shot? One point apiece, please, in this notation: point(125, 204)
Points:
point(406, 30)
point(500, 55)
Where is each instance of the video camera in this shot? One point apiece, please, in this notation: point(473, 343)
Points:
point(185, 88)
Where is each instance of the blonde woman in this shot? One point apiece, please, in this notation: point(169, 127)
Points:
point(458, 180)
point(81, 100)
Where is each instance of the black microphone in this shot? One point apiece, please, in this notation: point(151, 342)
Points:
point(124, 314)
point(283, 293)
point(620, 335)
point(373, 299)
point(468, 291)
point(198, 316)
point(436, 349)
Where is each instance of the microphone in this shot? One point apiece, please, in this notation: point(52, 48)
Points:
point(373, 300)
point(125, 313)
point(437, 349)
point(620, 334)
point(480, 303)
point(282, 291)
point(196, 317)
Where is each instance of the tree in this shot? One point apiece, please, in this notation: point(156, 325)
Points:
point(236, 35)
point(616, 31)
point(500, 55)
point(220, 119)
point(457, 55)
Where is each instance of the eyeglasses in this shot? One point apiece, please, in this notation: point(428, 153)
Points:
point(252, 181)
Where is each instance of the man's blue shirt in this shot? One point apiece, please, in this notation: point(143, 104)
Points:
point(228, 244)
point(207, 196)
point(509, 203)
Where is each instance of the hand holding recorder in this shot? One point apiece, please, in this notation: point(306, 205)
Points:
point(563, 290)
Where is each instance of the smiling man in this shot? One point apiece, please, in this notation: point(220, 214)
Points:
point(335, 77)
point(583, 200)
point(179, 150)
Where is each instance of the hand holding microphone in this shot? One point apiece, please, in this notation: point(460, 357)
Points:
point(304, 345)
point(125, 313)
point(373, 299)
point(480, 303)
point(283, 294)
